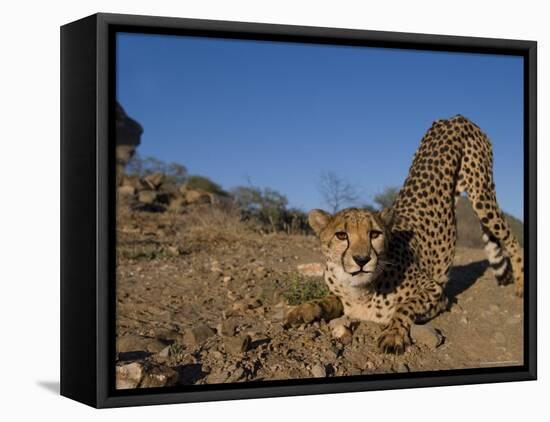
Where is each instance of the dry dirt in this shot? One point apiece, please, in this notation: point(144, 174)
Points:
point(200, 293)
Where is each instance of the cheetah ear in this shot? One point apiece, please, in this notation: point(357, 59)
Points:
point(318, 220)
point(387, 216)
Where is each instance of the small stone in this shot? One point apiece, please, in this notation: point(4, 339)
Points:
point(198, 334)
point(227, 279)
point(164, 353)
point(227, 327)
point(313, 269)
point(215, 354)
point(260, 269)
point(341, 329)
point(236, 375)
point(126, 190)
point(426, 334)
point(128, 376)
point(147, 196)
point(235, 345)
point(239, 306)
point(342, 334)
point(403, 368)
point(153, 181)
point(318, 371)
point(217, 377)
point(172, 251)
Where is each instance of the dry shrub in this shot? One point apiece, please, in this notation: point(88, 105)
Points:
point(217, 224)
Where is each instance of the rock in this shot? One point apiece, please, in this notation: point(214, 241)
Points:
point(227, 279)
point(135, 343)
point(342, 334)
point(426, 334)
point(403, 368)
point(129, 375)
point(235, 345)
point(239, 306)
point(177, 205)
point(343, 320)
point(164, 353)
point(227, 327)
point(236, 375)
point(313, 269)
point(318, 371)
point(215, 354)
point(217, 377)
point(195, 196)
point(172, 251)
point(130, 181)
point(153, 181)
point(168, 335)
point(147, 196)
point(126, 190)
point(159, 376)
point(341, 329)
point(215, 268)
point(198, 335)
point(260, 271)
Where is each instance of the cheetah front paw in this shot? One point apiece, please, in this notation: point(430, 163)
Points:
point(305, 313)
point(394, 340)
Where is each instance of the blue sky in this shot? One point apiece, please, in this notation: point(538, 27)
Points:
point(278, 114)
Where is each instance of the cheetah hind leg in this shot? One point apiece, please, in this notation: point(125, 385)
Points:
point(502, 247)
point(499, 263)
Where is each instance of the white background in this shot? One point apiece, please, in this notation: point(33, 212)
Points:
point(29, 208)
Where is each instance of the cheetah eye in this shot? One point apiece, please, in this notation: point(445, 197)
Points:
point(342, 235)
point(375, 234)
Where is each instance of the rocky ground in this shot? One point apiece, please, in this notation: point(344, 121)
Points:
point(201, 298)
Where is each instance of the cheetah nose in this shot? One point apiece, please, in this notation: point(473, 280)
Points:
point(361, 259)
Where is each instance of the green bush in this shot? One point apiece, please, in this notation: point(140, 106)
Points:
point(301, 290)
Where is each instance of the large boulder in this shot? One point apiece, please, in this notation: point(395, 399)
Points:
point(196, 196)
point(144, 375)
point(128, 137)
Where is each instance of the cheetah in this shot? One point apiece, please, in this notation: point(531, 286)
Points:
point(391, 266)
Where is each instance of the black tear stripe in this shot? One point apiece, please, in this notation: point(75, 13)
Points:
point(343, 254)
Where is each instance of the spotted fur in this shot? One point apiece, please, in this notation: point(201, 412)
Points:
point(391, 266)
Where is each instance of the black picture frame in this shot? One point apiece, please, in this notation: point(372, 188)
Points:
point(88, 195)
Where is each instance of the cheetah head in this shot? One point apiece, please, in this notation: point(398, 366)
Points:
point(354, 243)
